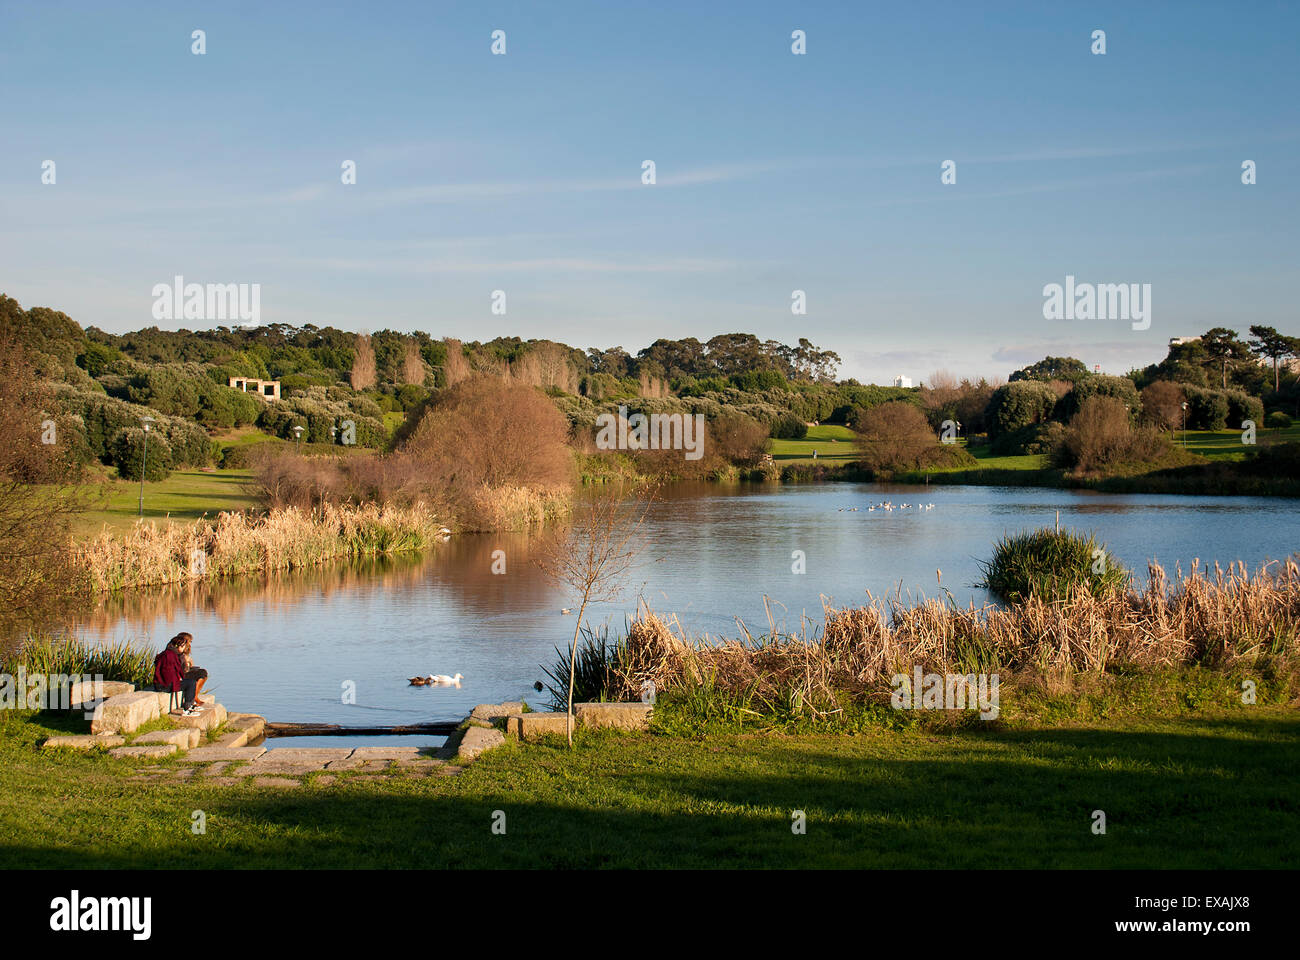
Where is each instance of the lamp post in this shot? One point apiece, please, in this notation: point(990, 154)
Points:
point(297, 439)
point(146, 421)
point(1184, 424)
point(333, 430)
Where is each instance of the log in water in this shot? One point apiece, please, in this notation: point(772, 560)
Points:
point(334, 730)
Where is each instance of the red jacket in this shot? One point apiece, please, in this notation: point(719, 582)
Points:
point(167, 672)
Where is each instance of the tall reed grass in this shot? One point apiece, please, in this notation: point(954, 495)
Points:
point(510, 508)
point(52, 655)
point(235, 543)
point(1223, 621)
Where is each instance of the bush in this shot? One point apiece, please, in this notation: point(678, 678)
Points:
point(1277, 420)
point(189, 442)
point(1101, 435)
point(1050, 564)
point(735, 438)
point(1242, 406)
point(789, 427)
point(1099, 385)
point(129, 452)
point(491, 432)
point(1162, 405)
point(316, 415)
point(896, 436)
point(1018, 405)
point(1038, 438)
point(1206, 409)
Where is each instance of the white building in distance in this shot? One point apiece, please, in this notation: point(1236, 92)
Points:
point(902, 381)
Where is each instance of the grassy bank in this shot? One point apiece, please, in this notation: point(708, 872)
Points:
point(1216, 790)
point(832, 444)
point(1222, 469)
point(234, 544)
point(186, 495)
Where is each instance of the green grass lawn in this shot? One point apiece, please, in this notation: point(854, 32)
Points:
point(1227, 445)
point(1211, 791)
point(185, 495)
point(834, 446)
point(987, 461)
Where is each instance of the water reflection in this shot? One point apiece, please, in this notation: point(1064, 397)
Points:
point(290, 646)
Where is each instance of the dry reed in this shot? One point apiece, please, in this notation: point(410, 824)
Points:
point(235, 543)
point(1222, 621)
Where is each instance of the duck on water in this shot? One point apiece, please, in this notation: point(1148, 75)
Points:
point(436, 680)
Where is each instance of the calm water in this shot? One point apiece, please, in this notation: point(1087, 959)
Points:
point(285, 647)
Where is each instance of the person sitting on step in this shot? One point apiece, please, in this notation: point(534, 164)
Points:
point(191, 676)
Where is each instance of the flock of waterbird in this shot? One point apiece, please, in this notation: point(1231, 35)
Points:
point(889, 506)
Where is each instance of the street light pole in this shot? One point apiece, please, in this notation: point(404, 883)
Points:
point(1184, 424)
point(297, 438)
point(146, 422)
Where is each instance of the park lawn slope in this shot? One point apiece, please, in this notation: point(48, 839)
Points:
point(184, 496)
point(1220, 789)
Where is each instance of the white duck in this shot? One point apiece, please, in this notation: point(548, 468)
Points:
point(442, 678)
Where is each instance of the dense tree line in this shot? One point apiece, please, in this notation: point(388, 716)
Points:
point(330, 377)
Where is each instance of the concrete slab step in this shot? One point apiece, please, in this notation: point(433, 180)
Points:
point(125, 712)
point(88, 693)
point(83, 742)
point(530, 726)
point(184, 737)
point(151, 752)
point(218, 753)
point(209, 717)
point(478, 740)
point(621, 716)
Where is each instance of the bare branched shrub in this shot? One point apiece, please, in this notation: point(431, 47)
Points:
point(414, 369)
point(1162, 405)
point(896, 436)
point(1101, 435)
point(490, 432)
point(456, 368)
point(546, 365)
point(363, 364)
point(595, 557)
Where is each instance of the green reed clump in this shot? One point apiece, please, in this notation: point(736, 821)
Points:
point(597, 670)
point(127, 660)
point(1049, 564)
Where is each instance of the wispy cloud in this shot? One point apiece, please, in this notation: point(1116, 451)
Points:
point(534, 264)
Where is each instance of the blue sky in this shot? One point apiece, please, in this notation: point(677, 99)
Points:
point(775, 172)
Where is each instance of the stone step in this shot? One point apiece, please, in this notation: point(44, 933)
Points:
point(125, 713)
point(218, 753)
point(241, 728)
point(83, 742)
point(530, 726)
point(87, 694)
point(183, 737)
point(209, 717)
point(620, 716)
point(487, 714)
point(151, 752)
point(477, 740)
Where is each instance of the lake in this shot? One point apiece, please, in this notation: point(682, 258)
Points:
point(286, 646)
